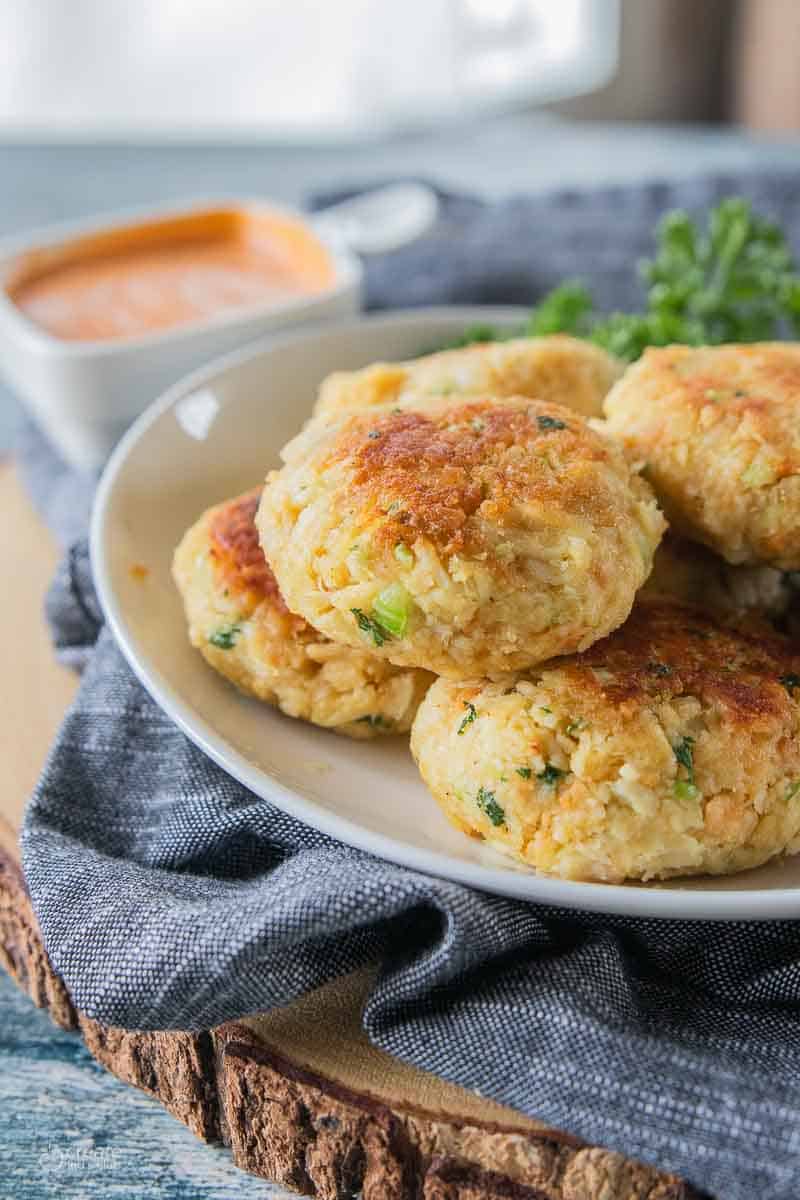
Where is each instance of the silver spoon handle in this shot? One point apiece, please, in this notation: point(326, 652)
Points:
point(384, 219)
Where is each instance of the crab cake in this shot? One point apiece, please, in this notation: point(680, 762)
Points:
point(690, 574)
point(559, 369)
point(670, 748)
point(469, 539)
point(719, 431)
point(240, 624)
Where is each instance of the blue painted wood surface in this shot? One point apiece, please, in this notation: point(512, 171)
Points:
point(71, 1131)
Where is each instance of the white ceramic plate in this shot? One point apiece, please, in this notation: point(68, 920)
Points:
point(216, 434)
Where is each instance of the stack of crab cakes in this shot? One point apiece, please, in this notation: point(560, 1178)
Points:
point(671, 746)
point(611, 704)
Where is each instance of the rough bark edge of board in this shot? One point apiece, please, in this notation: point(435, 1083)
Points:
point(309, 1133)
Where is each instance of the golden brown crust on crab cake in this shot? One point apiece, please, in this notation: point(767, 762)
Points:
point(240, 623)
point(670, 748)
point(468, 539)
point(688, 573)
point(558, 369)
point(719, 431)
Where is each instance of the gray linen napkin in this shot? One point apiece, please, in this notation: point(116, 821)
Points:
point(171, 897)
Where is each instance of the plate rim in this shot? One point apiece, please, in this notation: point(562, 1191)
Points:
point(663, 901)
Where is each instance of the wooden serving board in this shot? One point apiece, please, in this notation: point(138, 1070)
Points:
point(299, 1095)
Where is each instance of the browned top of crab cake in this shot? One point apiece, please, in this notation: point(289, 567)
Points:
point(236, 551)
point(665, 651)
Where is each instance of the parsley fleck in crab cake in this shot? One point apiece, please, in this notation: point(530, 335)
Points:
point(670, 748)
point(719, 431)
point(468, 539)
point(239, 622)
point(688, 573)
point(559, 369)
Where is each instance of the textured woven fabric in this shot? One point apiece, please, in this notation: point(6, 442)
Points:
point(170, 897)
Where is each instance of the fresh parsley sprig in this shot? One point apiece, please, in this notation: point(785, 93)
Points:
point(734, 281)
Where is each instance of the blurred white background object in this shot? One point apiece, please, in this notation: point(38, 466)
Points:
point(300, 70)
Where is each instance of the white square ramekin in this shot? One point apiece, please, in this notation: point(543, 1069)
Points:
point(84, 394)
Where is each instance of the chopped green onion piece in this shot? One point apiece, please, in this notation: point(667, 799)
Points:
point(391, 608)
point(404, 555)
point(225, 637)
point(793, 789)
point(684, 752)
point(525, 772)
point(551, 775)
point(487, 804)
point(547, 424)
point(371, 628)
point(685, 789)
point(472, 713)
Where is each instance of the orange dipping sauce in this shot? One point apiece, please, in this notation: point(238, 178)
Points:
point(128, 282)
